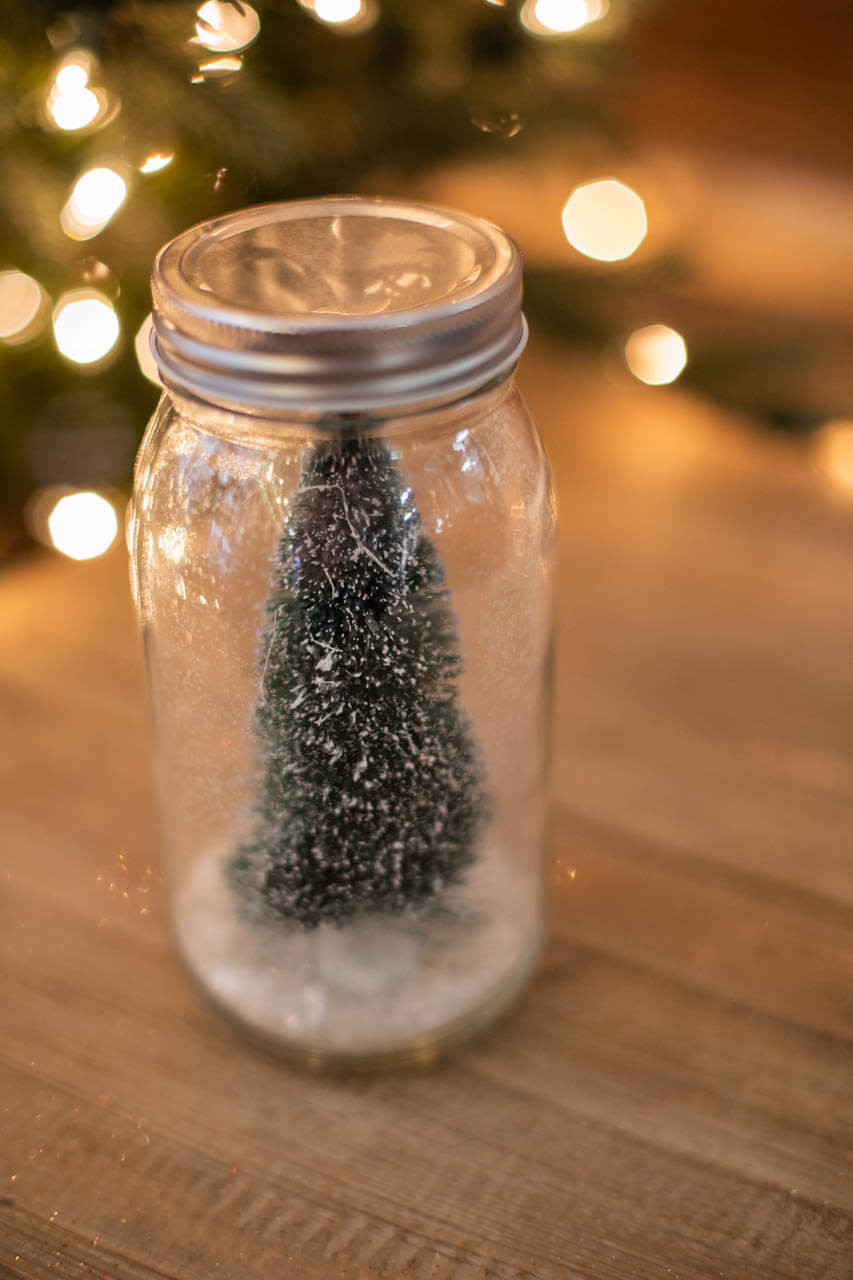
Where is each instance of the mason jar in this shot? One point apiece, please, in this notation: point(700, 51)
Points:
point(342, 532)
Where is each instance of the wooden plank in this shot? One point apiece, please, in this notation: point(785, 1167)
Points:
point(671, 1097)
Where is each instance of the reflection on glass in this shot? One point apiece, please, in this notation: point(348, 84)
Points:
point(834, 454)
point(142, 349)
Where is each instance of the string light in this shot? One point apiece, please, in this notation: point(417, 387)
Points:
point(95, 198)
point(23, 307)
point(349, 16)
point(85, 326)
point(338, 10)
point(70, 111)
point(216, 69)
point(833, 453)
point(156, 161)
point(82, 525)
point(224, 27)
point(656, 354)
point(561, 17)
point(73, 75)
point(72, 103)
point(605, 220)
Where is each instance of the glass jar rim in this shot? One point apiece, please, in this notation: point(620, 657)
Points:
point(343, 303)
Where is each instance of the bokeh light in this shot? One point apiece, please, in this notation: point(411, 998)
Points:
point(23, 307)
point(95, 198)
point(656, 354)
point(75, 109)
point(85, 326)
point(561, 17)
point(73, 75)
point(338, 10)
point(156, 161)
point(72, 103)
point(82, 525)
point(217, 69)
point(605, 220)
point(223, 27)
point(349, 16)
point(833, 454)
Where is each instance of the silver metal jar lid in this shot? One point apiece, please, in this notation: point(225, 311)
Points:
point(343, 303)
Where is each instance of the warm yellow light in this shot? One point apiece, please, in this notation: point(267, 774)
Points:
point(335, 11)
point(156, 161)
point(350, 17)
point(834, 453)
point(223, 27)
point(83, 525)
point(656, 354)
point(142, 348)
point(95, 197)
point(98, 194)
point(74, 109)
point(217, 67)
point(561, 17)
point(221, 64)
point(72, 103)
point(85, 326)
point(21, 301)
point(605, 220)
point(72, 77)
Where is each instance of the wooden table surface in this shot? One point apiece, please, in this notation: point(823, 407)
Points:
point(671, 1098)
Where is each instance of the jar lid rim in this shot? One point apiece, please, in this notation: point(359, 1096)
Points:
point(336, 302)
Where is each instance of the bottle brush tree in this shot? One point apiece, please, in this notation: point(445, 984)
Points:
point(372, 793)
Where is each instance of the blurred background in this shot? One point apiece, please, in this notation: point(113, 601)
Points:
point(677, 175)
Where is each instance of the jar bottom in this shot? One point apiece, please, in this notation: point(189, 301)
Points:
point(378, 991)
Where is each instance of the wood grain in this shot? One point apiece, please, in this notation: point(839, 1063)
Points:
point(672, 1097)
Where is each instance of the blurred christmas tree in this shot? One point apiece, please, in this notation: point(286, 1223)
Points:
point(125, 121)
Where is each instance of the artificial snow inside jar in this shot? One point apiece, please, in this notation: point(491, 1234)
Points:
point(342, 531)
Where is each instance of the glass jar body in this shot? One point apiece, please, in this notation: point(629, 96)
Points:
point(387, 929)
